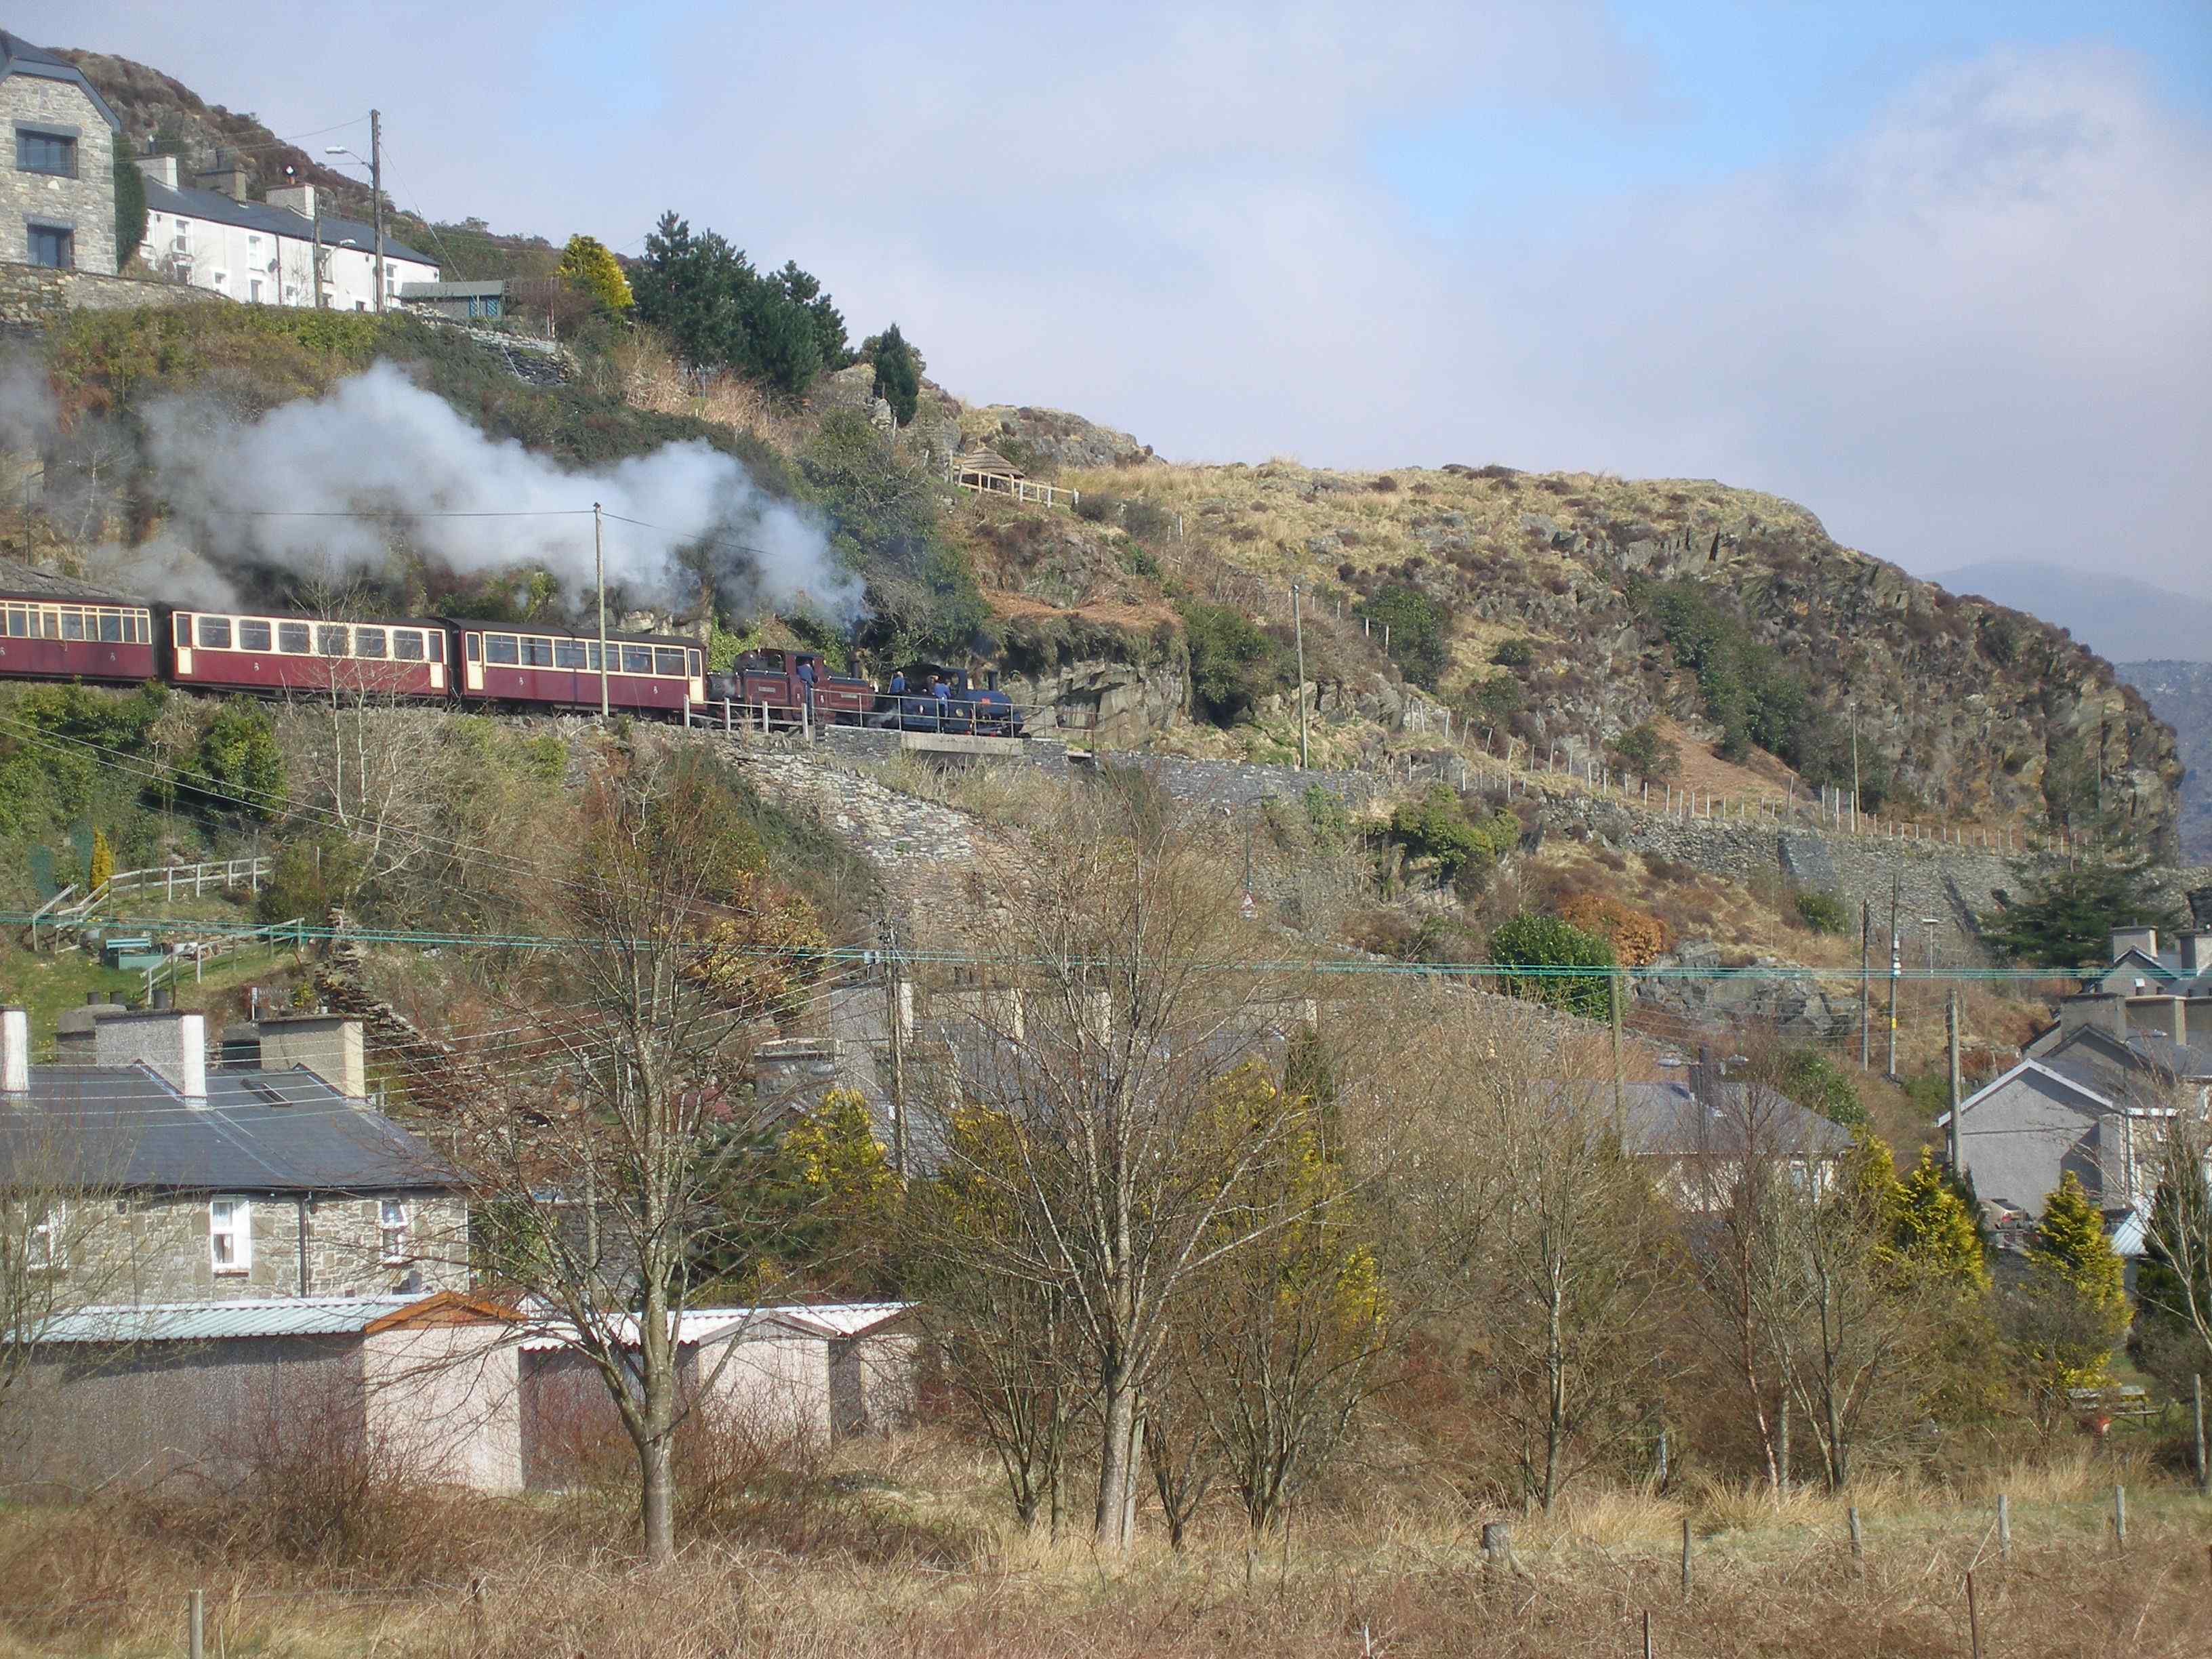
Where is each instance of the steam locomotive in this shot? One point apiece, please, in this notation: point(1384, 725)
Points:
point(51, 629)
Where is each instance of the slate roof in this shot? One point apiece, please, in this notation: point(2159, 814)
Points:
point(2146, 1061)
point(19, 56)
point(1667, 1120)
point(21, 581)
point(258, 1132)
point(214, 205)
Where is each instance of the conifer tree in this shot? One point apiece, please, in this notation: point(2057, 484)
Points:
point(1932, 1235)
point(102, 862)
point(588, 264)
point(2070, 1243)
point(898, 378)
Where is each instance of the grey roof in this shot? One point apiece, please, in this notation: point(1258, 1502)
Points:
point(125, 1126)
point(213, 204)
point(201, 1321)
point(19, 56)
point(1668, 1120)
point(2098, 1059)
point(21, 581)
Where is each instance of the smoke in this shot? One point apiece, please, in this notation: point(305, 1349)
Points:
point(330, 488)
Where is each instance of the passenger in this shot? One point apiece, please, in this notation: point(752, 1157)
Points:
point(807, 677)
point(897, 690)
point(941, 693)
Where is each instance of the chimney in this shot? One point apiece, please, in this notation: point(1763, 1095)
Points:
point(328, 1045)
point(161, 169)
point(15, 1052)
point(171, 1044)
point(73, 1043)
point(225, 178)
point(2125, 939)
point(300, 198)
point(2196, 953)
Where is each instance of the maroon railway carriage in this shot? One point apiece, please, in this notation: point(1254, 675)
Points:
point(551, 667)
point(769, 680)
point(218, 650)
point(54, 629)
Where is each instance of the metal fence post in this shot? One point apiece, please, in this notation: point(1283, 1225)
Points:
point(196, 1626)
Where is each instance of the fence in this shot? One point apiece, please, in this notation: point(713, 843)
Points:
point(1018, 489)
point(200, 951)
point(61, 916)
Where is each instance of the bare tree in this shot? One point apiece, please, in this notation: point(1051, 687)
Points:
point(1109, 1156)
point(604, 1192)
point(2176, 1281)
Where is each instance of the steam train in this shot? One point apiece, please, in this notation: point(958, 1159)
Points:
point(51, 629)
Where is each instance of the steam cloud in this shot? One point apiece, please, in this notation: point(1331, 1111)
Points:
point(379, 444)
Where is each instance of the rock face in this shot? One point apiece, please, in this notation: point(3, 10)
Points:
point(2180, 694)
point(1117, 704)
point(1046, 440)
point(1796, 1007)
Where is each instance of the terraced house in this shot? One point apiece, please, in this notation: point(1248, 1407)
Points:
point(58, 191)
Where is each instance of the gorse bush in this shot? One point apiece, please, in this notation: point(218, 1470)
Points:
point(1514, 653)
point(1554, 947)
point(1822, 911)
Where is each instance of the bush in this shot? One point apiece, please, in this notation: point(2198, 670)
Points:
point(1148, 521)
point(1465, 848)
point(1639, 939)
point(1418, 630)
point(1098, 507)
point(1822, 911)
point(1750, 690)
point(1552, 947)
point(1514, 653)
point(1817, 1083)
point(1643, 751)
point(237, 766)
point(1233, 662)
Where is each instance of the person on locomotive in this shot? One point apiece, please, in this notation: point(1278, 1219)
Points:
point(807, 680)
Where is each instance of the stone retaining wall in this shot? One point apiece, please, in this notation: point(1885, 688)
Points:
point(33, 296)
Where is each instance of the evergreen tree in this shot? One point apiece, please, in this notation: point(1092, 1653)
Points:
point(2067, 917)
point(1932, 1235)
point(693, 287)
point(130, 209)
point(803, 291)
point(898, 374)
point(102, 862)
point(2070, 1243)
point(588, 266)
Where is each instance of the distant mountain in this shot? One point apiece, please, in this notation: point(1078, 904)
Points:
point(2180, 694)
point(2116, 616)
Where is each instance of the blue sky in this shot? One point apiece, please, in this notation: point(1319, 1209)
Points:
point(1939, 271)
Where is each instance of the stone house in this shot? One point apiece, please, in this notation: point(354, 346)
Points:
point(58, 189)
point(2150, 986)
point(162, 1179)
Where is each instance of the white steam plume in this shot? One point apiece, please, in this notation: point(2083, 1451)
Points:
point(378, 444)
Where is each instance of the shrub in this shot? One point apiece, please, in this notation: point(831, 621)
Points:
point(1148, 521)
point(1643, 751)
point(1514, 653)
point(898, 374)
point(237, 766)
point(1418, 630)
point(1550, 948)
point(1098, 507)
point(1639, 939)
point(1822, 911)
point(1233, 662)
point(1437, 827)
point(1816, 1082)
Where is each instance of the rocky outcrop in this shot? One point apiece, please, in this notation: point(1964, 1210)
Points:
point(2180, 694)
point(1115, 704)
point(1043, 441)
point(1708, 993)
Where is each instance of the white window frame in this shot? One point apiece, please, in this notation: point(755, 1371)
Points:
point(240, 1232)
point(46, 1246)
point(393, 1238)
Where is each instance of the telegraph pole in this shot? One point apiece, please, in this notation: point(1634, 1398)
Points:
point(1951, 1035)
point(1866, 985)
point(1299, 634)
point(896, 989)
point(1896, 970)
point(1620, 1092)
point(599, 559)
point(376, 194)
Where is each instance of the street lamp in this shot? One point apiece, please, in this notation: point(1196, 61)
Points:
point(1931, 923)
point(375, 166)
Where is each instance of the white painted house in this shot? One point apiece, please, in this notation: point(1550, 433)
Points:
point(263, 253)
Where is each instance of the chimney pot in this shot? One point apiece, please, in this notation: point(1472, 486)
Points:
point(161, 169)
point(170, 1043)
point(15, 1052)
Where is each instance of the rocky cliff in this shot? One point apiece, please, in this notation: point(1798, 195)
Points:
point(2180, 694)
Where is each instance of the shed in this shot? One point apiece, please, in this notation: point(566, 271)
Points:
point(216, 1389)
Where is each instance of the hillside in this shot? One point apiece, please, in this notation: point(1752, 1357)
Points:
point(2180, 694)
point(2116, 616)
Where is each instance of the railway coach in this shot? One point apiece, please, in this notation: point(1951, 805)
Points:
point(54, 629)
point(536, 666)
point(229, 650)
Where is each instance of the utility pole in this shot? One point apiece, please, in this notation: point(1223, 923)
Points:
point(1951, 1036)
point(1299, 634)
point(1896, 969)
point(1620, 1091)
point(318, 249)
point(1866, 985)
point(1854, 768)
point(599, 559)
point(376, 194)
point(894, 987)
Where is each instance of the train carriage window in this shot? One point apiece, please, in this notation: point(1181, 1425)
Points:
point(668, 660)
point(502, 647)
point(437, 646)
point(536, 652)
point(406, 644)
point(368, 643)
point(567, 653)
point(182, 623)
point(214, 633)
point(72, 624)
point(592, 656)
point(253, 635)
point(111, 627)
point(295, 637)
point(19, 621)
point(330, 641)
point(50, 624)
point(697, 669)
point(470, 645)
point(637, 659)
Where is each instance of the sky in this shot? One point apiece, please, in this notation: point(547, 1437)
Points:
point(1942, 272)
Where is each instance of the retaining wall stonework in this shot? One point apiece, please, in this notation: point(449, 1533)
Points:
point(32, 296)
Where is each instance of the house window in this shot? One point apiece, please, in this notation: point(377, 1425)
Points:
point(253, 289)
point(53, 246)
point(46, 1247)
point(46, 152)
point(391, 1231)
point(230, 1234)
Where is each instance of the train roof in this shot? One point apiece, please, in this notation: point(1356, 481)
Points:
point(19, 580)
point(482, 625)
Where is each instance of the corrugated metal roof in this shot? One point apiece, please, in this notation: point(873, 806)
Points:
point(202, 1322)
point(219, 209)
point(713, 1324)
point(256, 1132)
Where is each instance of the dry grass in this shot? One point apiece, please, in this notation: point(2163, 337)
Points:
point(552, 1579)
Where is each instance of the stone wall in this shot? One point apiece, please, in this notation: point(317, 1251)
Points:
point(83, 205)
point(32, 297)
point(1234, 783)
